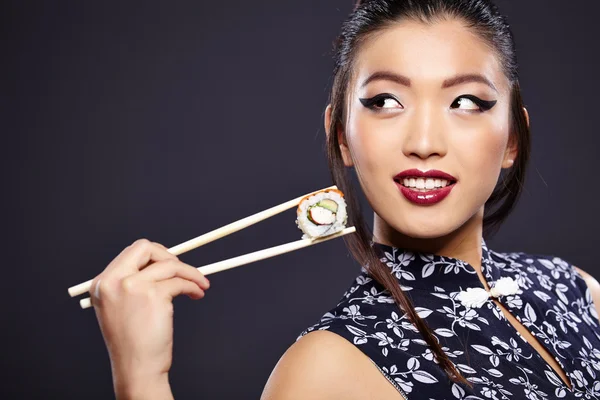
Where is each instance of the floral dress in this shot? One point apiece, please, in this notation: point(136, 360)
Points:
point(554, 304)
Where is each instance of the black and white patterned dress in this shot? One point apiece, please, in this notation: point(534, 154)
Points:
point(555, 305)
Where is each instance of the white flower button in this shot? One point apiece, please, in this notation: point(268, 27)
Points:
point(476, 297)
point(473, 297)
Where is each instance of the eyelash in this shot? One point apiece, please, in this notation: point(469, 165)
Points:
point(483, 105)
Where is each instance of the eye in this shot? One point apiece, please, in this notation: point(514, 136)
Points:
point(473, 103)
point(381, 101)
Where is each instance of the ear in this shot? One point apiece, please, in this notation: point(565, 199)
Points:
point(341, 138)
point(511, 149)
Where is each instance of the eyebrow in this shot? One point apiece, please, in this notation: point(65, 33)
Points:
point(403, 80)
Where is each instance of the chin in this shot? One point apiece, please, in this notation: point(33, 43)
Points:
point(426, 229)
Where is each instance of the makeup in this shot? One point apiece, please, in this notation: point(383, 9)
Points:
point(428, 197)
point(484, 105)
point(377, 103)
point(425, 187)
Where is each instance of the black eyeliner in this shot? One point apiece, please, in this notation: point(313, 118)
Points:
point(485, 105)
point(369, 102)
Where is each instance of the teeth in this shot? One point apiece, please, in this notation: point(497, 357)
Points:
point(421, 183)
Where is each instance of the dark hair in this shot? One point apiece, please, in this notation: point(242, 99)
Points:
point(372, 16)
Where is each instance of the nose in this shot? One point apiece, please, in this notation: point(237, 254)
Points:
point(425, 136)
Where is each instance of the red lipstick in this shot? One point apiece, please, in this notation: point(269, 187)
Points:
point(427, 196)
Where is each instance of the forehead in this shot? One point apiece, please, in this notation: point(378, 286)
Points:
point(428, 53)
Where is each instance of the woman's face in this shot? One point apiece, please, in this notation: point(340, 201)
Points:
point(427, 97)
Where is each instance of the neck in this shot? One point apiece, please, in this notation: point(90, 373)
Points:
point(463, 243)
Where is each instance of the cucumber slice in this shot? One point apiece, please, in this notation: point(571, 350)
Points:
point(328, 204)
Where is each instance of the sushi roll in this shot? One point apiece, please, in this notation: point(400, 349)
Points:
point(322, 214)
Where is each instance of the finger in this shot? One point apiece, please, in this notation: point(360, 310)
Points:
point(176, 286)
point(163, 270)
point(130, 260)
point(160, 245)
point(137, 256)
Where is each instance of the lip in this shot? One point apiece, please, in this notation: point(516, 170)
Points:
point(425, 198)
point(429, 197)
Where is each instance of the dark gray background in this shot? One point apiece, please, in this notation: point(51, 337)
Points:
point(165, 120)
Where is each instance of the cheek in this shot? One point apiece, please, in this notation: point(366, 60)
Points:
point(480, 154)
point(362, 145)
point(373, 145)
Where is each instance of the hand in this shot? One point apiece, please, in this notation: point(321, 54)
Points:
point(132, 299)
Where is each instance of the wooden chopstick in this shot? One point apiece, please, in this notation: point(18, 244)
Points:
point(215, 234)
point(255, 256)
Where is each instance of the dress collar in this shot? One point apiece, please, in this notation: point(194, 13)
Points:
point(425, 271)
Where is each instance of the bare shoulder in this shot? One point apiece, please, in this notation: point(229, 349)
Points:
point(586, 276)
point(593, 285)
point(591, 282)
point(323, 365)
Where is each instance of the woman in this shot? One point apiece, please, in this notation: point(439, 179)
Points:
point(426, 108)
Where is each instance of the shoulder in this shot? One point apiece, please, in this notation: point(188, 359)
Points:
point(324, 365)
point(593, 286)
point(589, 279)
point(543, 266)
point(574, 273)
